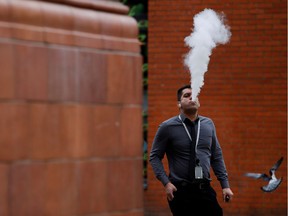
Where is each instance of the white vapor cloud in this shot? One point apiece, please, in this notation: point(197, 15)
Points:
point(209, 31)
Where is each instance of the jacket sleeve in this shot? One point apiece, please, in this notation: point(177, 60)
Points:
point(157, 153)
point(217, 161)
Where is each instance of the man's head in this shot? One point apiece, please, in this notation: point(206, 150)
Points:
point(180, 91)
point(184, 97)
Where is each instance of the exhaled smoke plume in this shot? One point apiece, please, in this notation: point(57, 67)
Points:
point(209, 31)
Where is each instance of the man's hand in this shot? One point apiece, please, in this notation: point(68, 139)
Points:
point(227, 194)
point(169, 189)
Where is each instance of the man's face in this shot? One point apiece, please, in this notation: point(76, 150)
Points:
point(186, 101)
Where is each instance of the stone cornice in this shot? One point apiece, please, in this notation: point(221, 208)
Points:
point(99, 5)
point(64, 24)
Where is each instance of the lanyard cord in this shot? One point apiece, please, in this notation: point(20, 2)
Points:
point(198, 132)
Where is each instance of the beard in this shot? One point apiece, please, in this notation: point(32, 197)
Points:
point(190, 110)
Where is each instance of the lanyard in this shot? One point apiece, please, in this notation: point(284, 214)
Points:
point(198, 132)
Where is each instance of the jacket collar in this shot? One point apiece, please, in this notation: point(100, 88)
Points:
point(184, 117)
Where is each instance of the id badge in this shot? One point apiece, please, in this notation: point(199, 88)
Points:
point(198, 172)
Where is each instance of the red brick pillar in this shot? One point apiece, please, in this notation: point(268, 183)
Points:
point(70, 109)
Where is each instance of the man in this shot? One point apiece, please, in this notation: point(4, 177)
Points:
point(191, 146)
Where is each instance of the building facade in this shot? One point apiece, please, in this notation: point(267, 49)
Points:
point(244, 92)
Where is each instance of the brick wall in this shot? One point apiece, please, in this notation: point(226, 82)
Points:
point(70, 95)
point(244, 93)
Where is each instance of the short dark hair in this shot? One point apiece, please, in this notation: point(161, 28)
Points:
point(179, 91)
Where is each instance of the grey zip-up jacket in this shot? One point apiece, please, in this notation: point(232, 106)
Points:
point(171, 139)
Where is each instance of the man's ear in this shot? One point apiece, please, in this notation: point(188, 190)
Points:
point(179, 105)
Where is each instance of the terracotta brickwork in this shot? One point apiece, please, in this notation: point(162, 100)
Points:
point(245, 93)
point(70, 95)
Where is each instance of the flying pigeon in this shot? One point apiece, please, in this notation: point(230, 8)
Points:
point(273, 181)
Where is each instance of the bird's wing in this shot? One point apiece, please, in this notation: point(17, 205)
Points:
point(258, 176)
point(277, 164)
point(273, 185)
